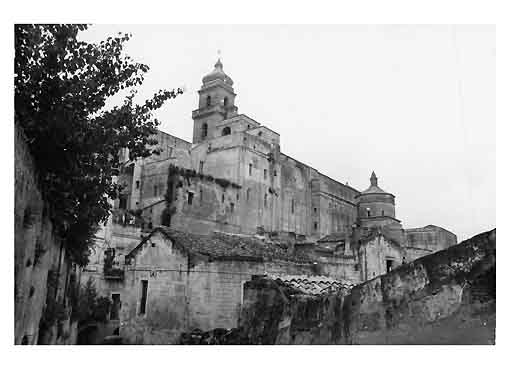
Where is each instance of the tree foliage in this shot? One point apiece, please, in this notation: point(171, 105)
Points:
point(90, 307)
point(61, 88)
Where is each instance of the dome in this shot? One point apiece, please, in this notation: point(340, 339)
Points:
point(374, 188)
point(216, 74)
point(374, 202)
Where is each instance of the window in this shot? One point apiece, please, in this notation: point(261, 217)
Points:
point(389, 265)
point(292, 206)
point(222, 198)
point(123, 202)
point(201, 167)
point(155, 190)
point(237, 196)
point(248, 194)
point(204, 130)
point(250, 169)
point(315, 225)
point(137, 184)
point(275, 173)
point(265, 173)
point(225, 131)
point(368, 212)
point(382, 212)
point(208, 101)
point(260, 134)
point(201, 194)
point(143, 297)
point(231, 207)
point(315, 210)
point(190, 198)
point(114, 312)
point(265, 200)
point(225, 101)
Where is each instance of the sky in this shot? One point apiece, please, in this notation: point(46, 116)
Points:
point(415, 104)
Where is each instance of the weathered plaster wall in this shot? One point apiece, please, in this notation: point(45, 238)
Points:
point(212, 207)
point(333, 205)
point(36, 252)
point(422, 241)
point(342, 267)
point(373, 256)
point(149, 175)
point(295, 196)
point(444, 298)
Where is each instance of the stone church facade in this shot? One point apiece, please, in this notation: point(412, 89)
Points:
point(269, 191)
point(198, 220)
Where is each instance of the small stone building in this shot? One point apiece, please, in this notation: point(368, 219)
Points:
point(175, 281)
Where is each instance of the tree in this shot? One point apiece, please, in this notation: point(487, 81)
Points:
point(61, 87)
point(90, 307)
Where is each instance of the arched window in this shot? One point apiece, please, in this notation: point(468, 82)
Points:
point(248, 194)
point(225, 101)
point(225, 131)
point(204, 130)
point(208, 101)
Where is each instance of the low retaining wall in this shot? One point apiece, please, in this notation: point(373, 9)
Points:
point(444, 298)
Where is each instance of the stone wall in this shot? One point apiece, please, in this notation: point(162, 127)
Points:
point(37, 254)
point(375, 253)
point(422, 241)
point(444, 298)
point(284, 194)
point(203, 206)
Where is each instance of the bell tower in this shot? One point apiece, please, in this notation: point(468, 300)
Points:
point(215, 104)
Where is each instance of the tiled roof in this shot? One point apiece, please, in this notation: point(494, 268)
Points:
point(311, 285)
point(229, 246)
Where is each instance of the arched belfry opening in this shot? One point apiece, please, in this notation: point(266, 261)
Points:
point(225, 131)
point(208, 101)
point(225, 101)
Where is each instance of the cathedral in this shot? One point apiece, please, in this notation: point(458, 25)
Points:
point(234, 178)
point(197, 221)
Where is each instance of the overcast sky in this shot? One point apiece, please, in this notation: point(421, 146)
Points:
point(416, 104)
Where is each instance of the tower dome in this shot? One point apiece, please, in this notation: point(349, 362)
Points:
point(374, 187)
point(375, 202)
point(218, 74)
